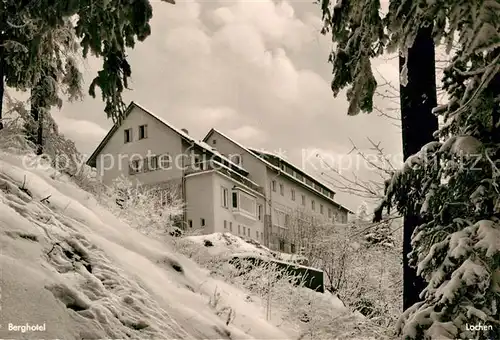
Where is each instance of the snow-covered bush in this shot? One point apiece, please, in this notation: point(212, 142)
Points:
point(143, 207)
point(362, 212)
point(365, 275)
point(58, 151)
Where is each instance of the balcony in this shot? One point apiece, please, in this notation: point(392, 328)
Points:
point(205, 166)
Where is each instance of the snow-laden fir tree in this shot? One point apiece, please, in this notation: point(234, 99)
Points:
point(362, 212)
point(105, 29)
point(451, 184)
point(372, 233)
point(381, 234)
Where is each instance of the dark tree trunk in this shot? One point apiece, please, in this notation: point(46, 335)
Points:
point(36, 131)
point(418, 99)
point(2, 85)
point(39, 137)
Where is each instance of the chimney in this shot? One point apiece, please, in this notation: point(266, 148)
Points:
point(185, 131)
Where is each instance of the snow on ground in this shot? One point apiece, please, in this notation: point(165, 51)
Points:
point(227, 243)
point(69, 265)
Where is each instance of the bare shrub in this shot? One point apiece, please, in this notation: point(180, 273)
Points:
point(285, 299)
point(360, 262)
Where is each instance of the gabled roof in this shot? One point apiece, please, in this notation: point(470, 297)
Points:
point(92, 159)
point(255, 153)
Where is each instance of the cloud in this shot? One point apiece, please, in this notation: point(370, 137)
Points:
point(185, 40)
point(253, 69)
point(247, 134)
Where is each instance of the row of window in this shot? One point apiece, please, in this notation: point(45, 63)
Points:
point(284, 220)
point(160, 162)
point(202, 223)
point(314, 185)
point(128, 134)
point(151, 163)
point(242, 230)
point(303, 199)
point(241, 201)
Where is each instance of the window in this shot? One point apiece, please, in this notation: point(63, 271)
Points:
point(244, 230)
point(152, 163)
point(236, 159)
point(257, 234)
point(279, 218)
point(239, 229)
point(195, 161)
point(303, 199)
point(135, 166)
point(273, 184)
point(293, 194)
point(202, 222)
point(214, 141)
point(231, 226)
point(282, 245)
point(282, 189)
point(127, 135)
point(190, 223)
point(292, 248)
point(329, 212)
point(248, 230)
point(287, 220)
point(321, 209)
point(244, 202)
point(143, 131)
point(164, 162)
point(235, 199)
point(225, 197)
point(259, 212)
point(313, 205)
point(200, 164)
point(225, 224)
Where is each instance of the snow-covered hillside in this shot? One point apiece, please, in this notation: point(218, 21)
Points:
point(70, 266)
point(226, 243)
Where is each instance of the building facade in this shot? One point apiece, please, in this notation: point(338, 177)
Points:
point(226, 186)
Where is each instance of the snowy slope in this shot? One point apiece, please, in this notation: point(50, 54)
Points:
point(227, 243)
point(68, 264)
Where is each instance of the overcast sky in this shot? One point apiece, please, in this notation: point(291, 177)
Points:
point(256, 70)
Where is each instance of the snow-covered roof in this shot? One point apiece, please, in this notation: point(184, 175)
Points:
point(274, 167)
point(305, 173)
point(92, 159)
